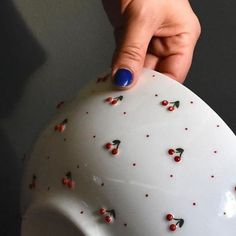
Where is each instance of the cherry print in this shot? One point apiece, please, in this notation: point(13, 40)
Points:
point(109, 99)
point(179, 222)
point(178, 151)
point(60, 104)
point(61, 127)
point(172, 227)
point(32, 185)
point(171, 151)
point(108, 145)
point(102, 78)
point(114, 101)
point(115, 150)
point(68, 181)
point(172, 106)
point(177, 158)
point(108, 219)
point(109, 214)
point(65, 180)
point(164, 103)
point(102, 211)
point(169, 217)
point(71, 184)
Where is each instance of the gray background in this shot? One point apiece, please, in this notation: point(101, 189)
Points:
point(50, 48)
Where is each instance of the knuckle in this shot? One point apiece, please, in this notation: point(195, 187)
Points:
point(132, 52)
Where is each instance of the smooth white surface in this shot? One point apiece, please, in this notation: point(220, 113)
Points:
point(209, 150)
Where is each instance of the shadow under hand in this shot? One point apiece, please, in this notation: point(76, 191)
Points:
point(20, 56)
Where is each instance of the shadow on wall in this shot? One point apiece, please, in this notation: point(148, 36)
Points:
point(20, 56)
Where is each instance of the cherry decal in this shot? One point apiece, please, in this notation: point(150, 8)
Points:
point(68, 181)
point(178, 151)
point(102, 78)
point(179, 222)
point(114, 101)
point(171, 106)
point(115, 150)
point(62, 126)
point(109, 215)
point(33, 183)
point(60, 104)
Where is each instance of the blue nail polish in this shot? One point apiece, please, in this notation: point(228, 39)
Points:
point(123, 77)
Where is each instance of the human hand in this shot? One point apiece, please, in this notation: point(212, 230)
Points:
point(156, 34)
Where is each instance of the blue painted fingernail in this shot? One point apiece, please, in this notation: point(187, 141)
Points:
point(123, 77)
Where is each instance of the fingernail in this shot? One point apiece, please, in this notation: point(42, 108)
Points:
point(123, 77)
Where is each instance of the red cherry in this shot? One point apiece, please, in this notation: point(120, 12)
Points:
point(172, 227)
point(60, 104)
point(108, 219)
point(114, 102)
point(164, 103)
point(109, 99)
point(71, 184)
point(171, 108)
point(177, 158)
point(102, 211)
point(61, 128)
point(56, 127)
point(65, 181)
point(169, 217)
point(108, 145)
point(171, 151)
point(114, 151)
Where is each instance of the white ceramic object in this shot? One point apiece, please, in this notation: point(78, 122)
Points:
point(74, 185)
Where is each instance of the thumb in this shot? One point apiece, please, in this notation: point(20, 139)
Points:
point(128, 59)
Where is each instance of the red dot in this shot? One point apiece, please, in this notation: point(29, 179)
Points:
point(172, 227)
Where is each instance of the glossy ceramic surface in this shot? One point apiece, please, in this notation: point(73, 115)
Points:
point(152, 160)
